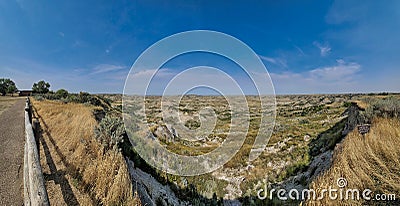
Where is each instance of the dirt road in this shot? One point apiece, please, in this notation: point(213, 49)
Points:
point(12, 154)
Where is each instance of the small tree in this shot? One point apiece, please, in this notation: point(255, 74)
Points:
point(12, 88)
point(7, 86)
point(41, 87)
point(62, 93)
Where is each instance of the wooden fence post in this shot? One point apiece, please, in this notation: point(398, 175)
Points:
point(34, 185)
point(36, 132)
point(28, 108)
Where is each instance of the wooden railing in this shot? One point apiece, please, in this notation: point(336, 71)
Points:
point(34, 188)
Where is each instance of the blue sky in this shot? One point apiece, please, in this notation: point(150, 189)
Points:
point(307, 46)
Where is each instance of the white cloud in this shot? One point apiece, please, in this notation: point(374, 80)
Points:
point(174, 82)
point(324, 49)
point(285, 76)
point(300, 50)
point(340, 72)
point(138, 81)
point(277, 61)
point(268, 59)
point(160, 74)
point(341, 77)
point(104, 68)
point(61, 34)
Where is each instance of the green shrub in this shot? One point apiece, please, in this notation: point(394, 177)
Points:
point(192, 124)
point(386, 107)
point(61, 93)
point(38, 97)
point(110, 132)
point(346, 104)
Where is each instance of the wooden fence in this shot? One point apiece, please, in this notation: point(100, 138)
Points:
point(34, 188)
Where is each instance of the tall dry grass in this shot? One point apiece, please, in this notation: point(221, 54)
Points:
point(370, 162)
point(70, 128)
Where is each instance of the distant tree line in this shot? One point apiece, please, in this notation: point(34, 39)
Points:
point(41, 88)
point(7, 86)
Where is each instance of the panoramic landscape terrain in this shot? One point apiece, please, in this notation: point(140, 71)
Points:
point(88, 159)
point(198, 103)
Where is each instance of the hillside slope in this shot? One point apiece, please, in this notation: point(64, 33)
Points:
point(371, 162)
point(77, 168)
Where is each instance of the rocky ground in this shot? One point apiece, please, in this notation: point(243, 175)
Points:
point(307, 128)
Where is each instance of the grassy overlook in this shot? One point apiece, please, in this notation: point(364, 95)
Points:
point(366, 162)
point(306, 126)
point(76, 166)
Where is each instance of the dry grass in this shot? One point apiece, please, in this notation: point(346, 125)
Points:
point(361, 104)
point(6, 102)
point(68, 128)
point(372, 162)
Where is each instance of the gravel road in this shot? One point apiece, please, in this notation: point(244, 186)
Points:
point(12, 154)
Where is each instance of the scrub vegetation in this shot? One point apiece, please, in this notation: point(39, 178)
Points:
point(308, 130)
